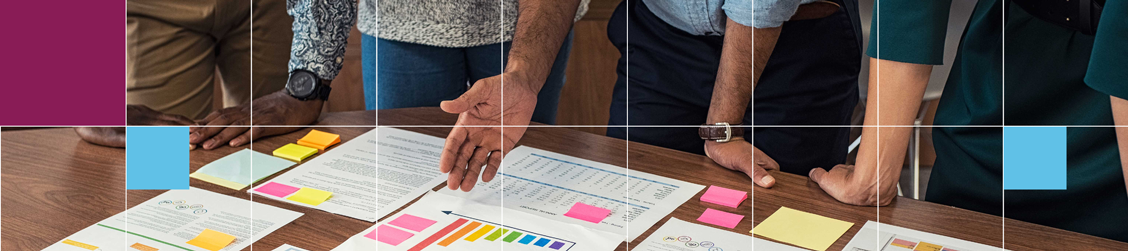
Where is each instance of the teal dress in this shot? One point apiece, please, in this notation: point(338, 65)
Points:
point(1054, 76)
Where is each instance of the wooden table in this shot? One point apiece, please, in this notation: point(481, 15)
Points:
point(54, 185)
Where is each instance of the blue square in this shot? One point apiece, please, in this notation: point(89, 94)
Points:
point(1034, 158)
point(156, 158)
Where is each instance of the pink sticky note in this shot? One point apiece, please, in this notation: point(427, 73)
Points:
point(390, 235)
point(411, 222)
point(724, 196)
point(587, 212)
point(276, 189)
point(720, 218)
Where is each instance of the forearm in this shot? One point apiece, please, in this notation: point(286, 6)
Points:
point(321, 31)
point(1120, 118)
point(541, 29)
point(895, 94)
point(733, 89)
point(766, 39)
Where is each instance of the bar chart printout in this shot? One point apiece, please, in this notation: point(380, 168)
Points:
point(465, 225)
point(549, 184)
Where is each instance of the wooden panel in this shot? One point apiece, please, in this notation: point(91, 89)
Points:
point(586, 96)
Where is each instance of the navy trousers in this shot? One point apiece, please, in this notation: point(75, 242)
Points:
point(811, 79)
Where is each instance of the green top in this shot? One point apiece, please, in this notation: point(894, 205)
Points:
point(1051, 79)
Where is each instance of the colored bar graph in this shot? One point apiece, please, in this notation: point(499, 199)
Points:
point(556, 245)
point(496, 234)
point(512, 236)
point(541, 242)
point(528, 238)
point(478, 234)
point(461, 232)
point(435, 237)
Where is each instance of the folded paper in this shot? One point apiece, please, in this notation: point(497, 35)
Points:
point(720, 218)
point(588, 213)
point(294, 152)
point(724, 196)
point(212, 240)
point(802, 229)
point(310, 196)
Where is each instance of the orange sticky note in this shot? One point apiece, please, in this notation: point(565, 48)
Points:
point(212, 240)
point(320, 140)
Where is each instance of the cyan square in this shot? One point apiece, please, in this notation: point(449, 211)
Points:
point(156, 158)
point(1034, 158)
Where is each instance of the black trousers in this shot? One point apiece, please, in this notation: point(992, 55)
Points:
point(811, 79)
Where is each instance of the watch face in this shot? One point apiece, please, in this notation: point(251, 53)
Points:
point(301, 84)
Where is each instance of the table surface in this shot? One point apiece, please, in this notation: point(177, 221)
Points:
point(54, 185)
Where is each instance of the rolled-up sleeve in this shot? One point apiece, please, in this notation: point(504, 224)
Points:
point(321, 31)
point(911, 31)
point(769, 13)
point(1108, 65)
point(739, 11)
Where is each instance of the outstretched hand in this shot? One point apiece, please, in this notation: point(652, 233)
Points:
point(479, 137)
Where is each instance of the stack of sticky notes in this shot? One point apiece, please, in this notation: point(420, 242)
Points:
point(320, 140)
point(724, 196)
point(802, 229)
point(587, 212)
point(212, 240)
point(294, 152)
point(235, 171)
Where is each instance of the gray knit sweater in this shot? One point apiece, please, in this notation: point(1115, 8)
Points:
point(443, 23)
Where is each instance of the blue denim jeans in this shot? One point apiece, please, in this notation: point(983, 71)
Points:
point(415, 75)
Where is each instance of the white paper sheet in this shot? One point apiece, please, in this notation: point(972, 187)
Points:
point(446, 210)
point(894, 238)
point(548, 184)
point(367, 185)
point(168, 221)
point(679, 235)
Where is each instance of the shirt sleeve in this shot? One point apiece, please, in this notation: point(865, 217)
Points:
point(772, 13)
point(321, 31)
point(1109, 59)
point(909, 31)
point(740, 11)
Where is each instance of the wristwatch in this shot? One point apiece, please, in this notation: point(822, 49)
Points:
point(304, 85)
point(721, 132)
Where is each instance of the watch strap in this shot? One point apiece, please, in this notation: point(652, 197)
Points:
point(721, 132)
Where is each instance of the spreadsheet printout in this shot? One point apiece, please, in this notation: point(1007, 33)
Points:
point(548, 184)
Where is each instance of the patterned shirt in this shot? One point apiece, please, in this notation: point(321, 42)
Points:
point(321, 27)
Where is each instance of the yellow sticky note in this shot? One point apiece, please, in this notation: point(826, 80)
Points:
point(802, 229)
point(214, 180)
point(80, 244)
point(212, 240)
point(294, 152)
point(925, 246)
point(310, 196)
point(320, 140)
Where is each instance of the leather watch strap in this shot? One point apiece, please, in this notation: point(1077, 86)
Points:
point(720, 133)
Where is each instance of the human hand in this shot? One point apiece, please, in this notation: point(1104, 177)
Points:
point(842, 183)
point(143, 115)
point(478, 137)
point(734, 155)
point(232, 125)
point(103, 136)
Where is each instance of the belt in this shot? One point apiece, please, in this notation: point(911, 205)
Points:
point(1078, 15)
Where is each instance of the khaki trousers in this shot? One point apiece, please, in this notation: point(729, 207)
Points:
point(175, 48)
